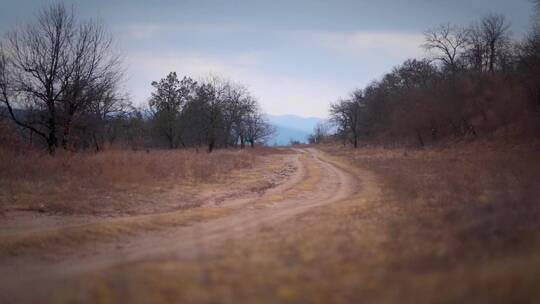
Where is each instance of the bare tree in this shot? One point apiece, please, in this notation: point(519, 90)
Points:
point(237, 106)
point(488, 41)
point(167, 103)
point(346, 114)
point(476, 48)
point(98, 123)
point(320, 132)
point(92, 87)
point(221, 113)
point(54, 69)
point(247, 107)
point(447, 42)
point(529, 61)
point(211, 96)
point(258, 130)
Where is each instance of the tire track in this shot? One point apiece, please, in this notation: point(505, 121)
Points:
point(318, 183)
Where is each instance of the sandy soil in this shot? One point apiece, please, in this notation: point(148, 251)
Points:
point(305, 180)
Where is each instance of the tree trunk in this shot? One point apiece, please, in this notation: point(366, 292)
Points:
point(492, 57)
point(420, 139)
point(182, 142)
point(51, 146)
point(52, 141)
point(67, 130)
point(96, 143)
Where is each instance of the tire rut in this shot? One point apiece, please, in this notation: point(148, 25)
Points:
point(201, 238)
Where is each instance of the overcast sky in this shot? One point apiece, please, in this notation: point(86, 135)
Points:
point(295, 56)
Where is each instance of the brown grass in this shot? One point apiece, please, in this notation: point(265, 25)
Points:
point(110, 181)
point(474, 197)
point(448, 226)
point(42, 241)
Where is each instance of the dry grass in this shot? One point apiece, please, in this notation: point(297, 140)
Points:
point(448, 226)
point(108, 182)
point(126, 180)
point(475, 197)
point(37, 242)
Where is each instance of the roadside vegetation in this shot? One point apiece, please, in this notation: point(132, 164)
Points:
point(476, 81)
point(61, 88)
point(114, 181)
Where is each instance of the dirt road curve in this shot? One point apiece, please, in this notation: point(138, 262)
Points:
point(316, 182)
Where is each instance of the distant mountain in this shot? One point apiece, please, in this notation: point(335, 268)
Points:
point(292, 127)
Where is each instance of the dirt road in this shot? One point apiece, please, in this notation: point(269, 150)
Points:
point(44, 266)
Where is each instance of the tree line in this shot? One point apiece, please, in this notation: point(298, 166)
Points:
point(474, 81)
point(214, 112)
point(60, 86)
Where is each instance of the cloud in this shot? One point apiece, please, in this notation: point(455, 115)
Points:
point(149, 30)
point(282, 78)
point(286, 95)
point(142, 31)
point(396, 43)
point(344, 42)
point(147, 67)
point(190, 64)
